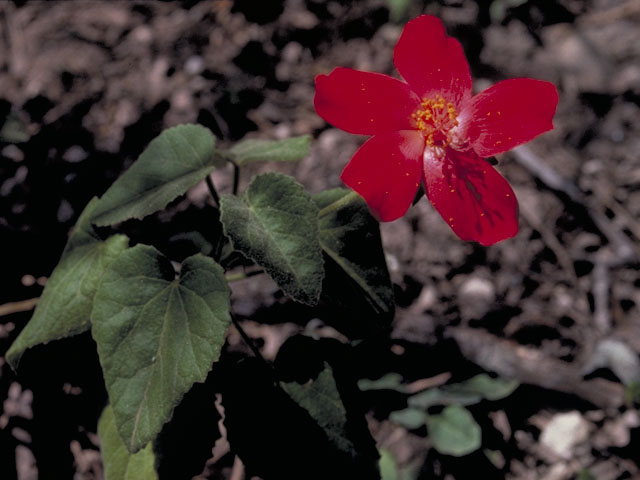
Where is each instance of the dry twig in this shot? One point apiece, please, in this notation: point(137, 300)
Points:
point(533, 367)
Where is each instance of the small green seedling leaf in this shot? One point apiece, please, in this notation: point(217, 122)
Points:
point(390, 470)
point(454, 431)
point(156, 335)
point(321, 399)
point(289, 150)
point(632, 393)
point(398, 9)
point(410, 418)
point(482, 386)
point(389, 381)
point(345, 226)
point(429, 398)
point(388, 466)
point(13, 130)
point(173, 162)
point(274, 224)
point(118, 462)
point(585, 474)
point(64, 309)
point(472, 391)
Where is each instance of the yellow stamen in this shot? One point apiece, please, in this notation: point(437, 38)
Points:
point(435, 118)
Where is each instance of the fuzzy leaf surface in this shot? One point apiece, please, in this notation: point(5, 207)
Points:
point(351, 237)
point(64, 308)
point(118, 462)
point(288, 150)
point(156, 335)
point(173, 162)
point(321, 399)
point(275, 225)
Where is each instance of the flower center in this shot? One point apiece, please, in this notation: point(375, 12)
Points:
point(435, 118)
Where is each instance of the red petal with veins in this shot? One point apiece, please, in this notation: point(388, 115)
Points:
point(431, 62)
point(364, 103)
point(386, 172)
point(472, 197)
point(510, 113)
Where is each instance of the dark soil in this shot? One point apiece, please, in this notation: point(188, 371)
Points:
point(84, 87)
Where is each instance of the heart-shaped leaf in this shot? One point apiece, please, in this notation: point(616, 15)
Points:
point(156, 335)
point(454, 431)
point(275, 225)
point(321, 399)
point(345, 226)
point(173, 162)
point(118, 462)
point(65, 305)
point(288, 150)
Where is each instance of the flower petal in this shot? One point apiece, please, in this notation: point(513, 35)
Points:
point(431, 62)
point(363, 102)
point(510, 113)
point(472, 197)
point(386, 172)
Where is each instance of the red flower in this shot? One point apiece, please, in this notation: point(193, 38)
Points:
point(431, 129)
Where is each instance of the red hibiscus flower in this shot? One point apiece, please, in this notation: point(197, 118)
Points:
point(432, 130)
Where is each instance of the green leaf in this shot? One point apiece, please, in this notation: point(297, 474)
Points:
point(410, 418)
point(428, 398)
point(390, 470)
point(321, 399)
point(398, 9)
point(64, 308)
point(275, 225)
point(482, 386)
point(346, 227)
point(389, 381)
point(156, 335)
point(632, 393)
point(118, 463)
point(289, 150)
point(472, 391)
point(388, 466)
point(14, 130)
point(454, 431)
point(585, 474)
point(173, 162)
point(327, 197)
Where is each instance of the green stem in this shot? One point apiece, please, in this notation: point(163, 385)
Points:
point(227, 157)
point(236, 176)
point(212, 191)
point(248, 341)
point(234, 277)
point(338, 204)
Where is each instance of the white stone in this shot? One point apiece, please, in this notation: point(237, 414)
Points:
point(564, 432)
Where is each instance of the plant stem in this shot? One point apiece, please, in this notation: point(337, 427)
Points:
point(212, 191)
point(20, 306)
point(234, 277)
point(345, 200)
point(236, 175)
point(248, 340)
